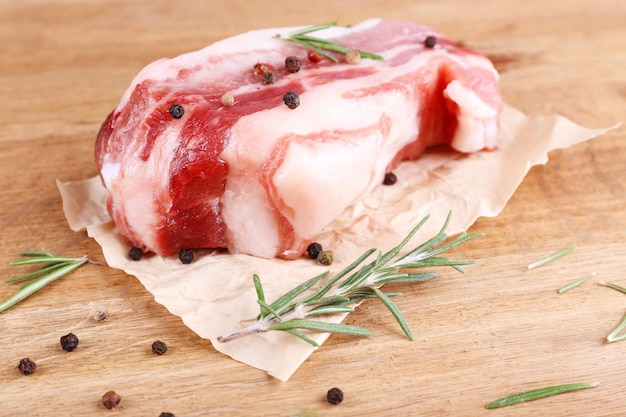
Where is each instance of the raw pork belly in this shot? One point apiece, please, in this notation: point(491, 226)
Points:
point(260, 178)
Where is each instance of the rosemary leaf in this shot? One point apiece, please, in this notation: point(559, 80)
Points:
point(322, 326)
point(391, 306)
point(282, 304)
point(302, 336)
point(615, 335)
point(576, 283)
point(536, 394)
point(614, 286)
point(552, 257)
point(260, 294)
point(39, 271)
point(332, 309)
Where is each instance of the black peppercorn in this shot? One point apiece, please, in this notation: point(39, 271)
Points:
point(430, 41)
point(159, 347)
point(313, 250)
point(390, 178)
point(166, 414)
point(293, 64)
point(69, 342)
point(291, 99)
point(135, 253)
point(27, 366)
point(177, 111)
point(268, 77)
point(334, 396)
point(185, 256)
point(111, 399)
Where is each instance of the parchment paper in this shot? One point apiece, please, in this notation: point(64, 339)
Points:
point(215, 296)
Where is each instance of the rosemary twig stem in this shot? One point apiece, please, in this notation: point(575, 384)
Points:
point(355, 283)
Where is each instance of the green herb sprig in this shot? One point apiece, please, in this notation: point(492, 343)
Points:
point(538, 393)
point(320, 45)
point(358, 281)
point(53, 267)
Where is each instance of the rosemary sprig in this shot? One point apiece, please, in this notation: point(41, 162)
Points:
point(538, 393)
point(356, 282)
point(320, 45)
point(53, 268)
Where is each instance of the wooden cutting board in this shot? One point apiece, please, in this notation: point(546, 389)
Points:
point(496, 330)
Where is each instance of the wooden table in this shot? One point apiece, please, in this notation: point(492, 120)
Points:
point(496, 330)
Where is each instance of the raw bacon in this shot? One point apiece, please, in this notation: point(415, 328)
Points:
point(260, 178)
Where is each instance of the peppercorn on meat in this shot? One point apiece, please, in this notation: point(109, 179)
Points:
point(298, 141)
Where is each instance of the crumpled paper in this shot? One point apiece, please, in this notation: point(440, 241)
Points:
point(215, 295)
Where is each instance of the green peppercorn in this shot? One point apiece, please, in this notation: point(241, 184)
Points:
point(69, 342)
point(291, 99)
point(334, 396)
point(135, 253)
point(26, 366)
point(325, 257)
point(176, 111)
point(185, 256)
point(390, 178)
point(430, 41)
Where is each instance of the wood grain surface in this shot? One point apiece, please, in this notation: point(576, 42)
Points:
point(496, 330)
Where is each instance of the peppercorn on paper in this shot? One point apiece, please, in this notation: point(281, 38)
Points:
point(215, 294)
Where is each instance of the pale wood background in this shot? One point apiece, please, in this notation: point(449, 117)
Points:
point(496, 330)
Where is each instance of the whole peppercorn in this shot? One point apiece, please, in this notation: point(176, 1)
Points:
point(353, 57)
point(228, 100)
point(135, 253)
point(26, 366)
point(185, 256)
point(314, 249)
point(166, 414)
point(69, 342)
point(390, 178)
point(430, 41)
point(111, 399)
point(159, 347)
point(325, 257)
point(291, 99)
point(293, 64)
point(176, 111)
point(268, 77)
point(334, 396)
point(314, 56)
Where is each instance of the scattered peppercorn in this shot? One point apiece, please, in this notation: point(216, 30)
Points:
point(314, 56)
point(334, 396)
point(293, 64)
point(314, 249)
point(261, 68)
point(353, 57)
point(159, 347)
point(111, 399)
point(228, 100)
point(177, 111)
point(325, 257)
point(166, 414)
point(69, 342)
point(100, 315)
point(27, 366)
point(185, 256)
point(135, 253)
point(291, 99)
point(430, 41)
point(268, 77)
point(390, 178)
